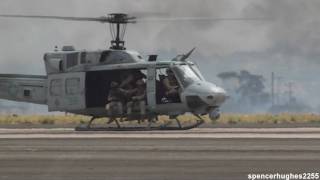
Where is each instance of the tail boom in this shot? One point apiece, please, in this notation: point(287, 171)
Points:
point(23, 88)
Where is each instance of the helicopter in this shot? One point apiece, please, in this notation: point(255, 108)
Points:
point(80, 82)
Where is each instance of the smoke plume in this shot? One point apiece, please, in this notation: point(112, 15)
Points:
point(287, 42)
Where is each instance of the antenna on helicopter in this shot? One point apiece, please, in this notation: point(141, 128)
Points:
point(183, 57)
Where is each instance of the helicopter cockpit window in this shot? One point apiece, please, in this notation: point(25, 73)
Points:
point(186, 75)
point(72, 60)
point(167, 87)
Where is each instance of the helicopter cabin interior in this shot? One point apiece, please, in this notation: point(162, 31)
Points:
point(98, 86)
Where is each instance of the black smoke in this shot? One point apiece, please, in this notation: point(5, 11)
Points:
point(247, 91)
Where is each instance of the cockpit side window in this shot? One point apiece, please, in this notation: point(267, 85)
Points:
point(167, 87)
point(197, 71)
point(186, 75)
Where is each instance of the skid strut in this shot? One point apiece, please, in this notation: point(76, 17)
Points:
point(90, 122)
point(149, 127)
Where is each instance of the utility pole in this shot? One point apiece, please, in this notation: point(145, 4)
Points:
point(290, 84)
point(272, 89)
point(278, 90)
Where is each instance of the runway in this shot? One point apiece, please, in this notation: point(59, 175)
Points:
point(196, 154)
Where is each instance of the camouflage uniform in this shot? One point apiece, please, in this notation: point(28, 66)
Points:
point(171, 85)
point(115, 107)
point(138, 98)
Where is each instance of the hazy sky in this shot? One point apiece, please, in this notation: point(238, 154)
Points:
point(288, 43)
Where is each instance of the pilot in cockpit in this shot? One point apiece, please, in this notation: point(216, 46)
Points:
point(171, 85)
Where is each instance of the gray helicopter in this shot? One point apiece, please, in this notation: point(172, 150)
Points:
point(116, 83)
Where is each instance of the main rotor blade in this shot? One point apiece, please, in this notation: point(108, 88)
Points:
point(98, 19)
point(200, 19)
point(142, 18)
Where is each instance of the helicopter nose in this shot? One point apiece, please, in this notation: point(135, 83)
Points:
point(209, 93)
point(217, 96)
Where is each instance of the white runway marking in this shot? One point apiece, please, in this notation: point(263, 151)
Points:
point(235, 133)
point(196, 130)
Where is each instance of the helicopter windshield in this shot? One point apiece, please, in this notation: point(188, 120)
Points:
point(186, 75)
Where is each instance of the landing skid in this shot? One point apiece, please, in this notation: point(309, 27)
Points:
point(164, 127)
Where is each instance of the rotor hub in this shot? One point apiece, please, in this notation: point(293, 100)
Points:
point(118, 24)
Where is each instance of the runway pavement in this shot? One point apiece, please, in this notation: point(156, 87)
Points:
point(45, 154)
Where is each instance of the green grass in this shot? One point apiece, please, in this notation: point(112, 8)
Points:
point(269, 118)
point(43, 119)
point(224, 119)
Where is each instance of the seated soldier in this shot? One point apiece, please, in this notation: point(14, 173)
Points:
point(171, 85)
point(115, 98)
point(138, 98)
point(128, 82)
point(126, 79)
point(129, 78)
